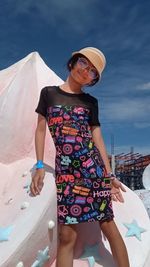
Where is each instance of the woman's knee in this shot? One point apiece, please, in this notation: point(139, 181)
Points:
point(67, 235)
point(110, 230)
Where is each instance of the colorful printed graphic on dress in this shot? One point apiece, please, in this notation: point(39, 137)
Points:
point(83, 190)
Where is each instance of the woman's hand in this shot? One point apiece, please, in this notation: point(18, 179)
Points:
point(37, 182)
point(116, 189)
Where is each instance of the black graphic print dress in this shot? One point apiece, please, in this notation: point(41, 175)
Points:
point(83, 188)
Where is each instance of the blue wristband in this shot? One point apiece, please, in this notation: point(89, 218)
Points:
point(39, 164)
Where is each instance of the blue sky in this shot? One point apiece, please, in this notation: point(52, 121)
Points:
point(120, 29)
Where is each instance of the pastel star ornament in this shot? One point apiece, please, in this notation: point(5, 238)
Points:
point(91, 261)
point(91, 254)
point(134, 230)
point(5, 232)
point(41, 258)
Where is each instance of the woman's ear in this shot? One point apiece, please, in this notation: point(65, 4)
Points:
point(70, 66)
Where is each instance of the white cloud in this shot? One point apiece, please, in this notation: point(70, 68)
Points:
point(142, 125)
point(75, 15)
point(144, 86)
point(127, 110)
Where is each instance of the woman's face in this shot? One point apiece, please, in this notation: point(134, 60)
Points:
point(83, 72)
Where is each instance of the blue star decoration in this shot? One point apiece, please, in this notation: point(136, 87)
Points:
point(134, 229)
point(5, 232)
point(91, 254)
point(41, 258)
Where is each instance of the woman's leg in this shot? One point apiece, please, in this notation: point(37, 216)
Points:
point(66, 241)
point(116, 242)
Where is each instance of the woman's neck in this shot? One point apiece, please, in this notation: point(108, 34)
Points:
point(71, 86)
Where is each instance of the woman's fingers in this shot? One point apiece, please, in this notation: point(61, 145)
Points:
point(122, 187)
point(40, 183)
point(117, 196)
point(113, 197)
point(120, 197)
point(32, 189)
point(36, 186)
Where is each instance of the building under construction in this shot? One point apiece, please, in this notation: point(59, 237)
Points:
point(129, 169)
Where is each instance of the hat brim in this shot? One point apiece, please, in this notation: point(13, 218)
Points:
point(95, 56)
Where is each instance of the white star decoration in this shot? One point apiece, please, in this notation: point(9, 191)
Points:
point(5, 232)
point(91, 254)
point(41, 258)
point(134, 229)
point(20, 264)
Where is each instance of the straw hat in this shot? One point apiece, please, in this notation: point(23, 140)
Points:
point(95, 56)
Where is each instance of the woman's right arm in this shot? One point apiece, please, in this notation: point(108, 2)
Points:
point(40, 137)
point(37, 180)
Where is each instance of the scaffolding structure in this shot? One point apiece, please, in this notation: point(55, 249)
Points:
point(129, 168)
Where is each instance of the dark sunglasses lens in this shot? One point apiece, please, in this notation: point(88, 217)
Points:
point(93, 74)
point(83, 62)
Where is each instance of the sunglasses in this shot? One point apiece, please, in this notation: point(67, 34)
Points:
point(84, 64)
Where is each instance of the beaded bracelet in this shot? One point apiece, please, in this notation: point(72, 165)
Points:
point(39, 164)
point(111, 176)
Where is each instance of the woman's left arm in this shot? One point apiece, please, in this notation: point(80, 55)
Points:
point(99, 142)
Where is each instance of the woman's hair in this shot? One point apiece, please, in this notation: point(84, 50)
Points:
point(71, 63)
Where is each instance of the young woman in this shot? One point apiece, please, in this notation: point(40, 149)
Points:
point(84, 180)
